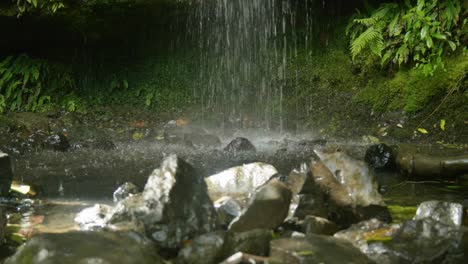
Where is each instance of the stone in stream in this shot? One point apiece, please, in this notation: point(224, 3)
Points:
point(348, 196)
point(6, 174)
point(380, 156)
point(92, 218)
point(86, 247)
point(318, 225)
point(255, 242)
point(125, 190)
point(173, 207)
point(433, 236)
point(315, 249)
point(204, 249)
point(267, 209)
point(239, 145)
point(228, 209)
point(239, 182)
point(56, 142)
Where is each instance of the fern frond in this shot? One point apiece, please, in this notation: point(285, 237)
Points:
point(365, 40)
point(369, 21)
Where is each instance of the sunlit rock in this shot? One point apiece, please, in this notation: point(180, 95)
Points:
point(173, 207)
point(125, 190)
point(6, 174)
point(315, 249)
point(86, 247)
point(204, 249)
point(240, 181)
point(445, 212)
point(227, 209)
point(93, 217)
point(239, 145)
point(267, 209)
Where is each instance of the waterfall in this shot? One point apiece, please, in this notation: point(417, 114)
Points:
point(244, 48)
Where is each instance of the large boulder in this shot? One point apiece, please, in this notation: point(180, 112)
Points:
point(6, 174)
point(315, 249)
point(173, 207)
point(267, 209)
point(239, 182)
point(433, 236)
point(239, 145)
point(344, 197)
point(86, 247)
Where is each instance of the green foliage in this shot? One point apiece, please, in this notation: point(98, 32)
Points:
point(46, 6)
point(417, 32)
point(25, 83)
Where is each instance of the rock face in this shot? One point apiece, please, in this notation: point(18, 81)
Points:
point(173, 207)
point(315, 249)
point(267, 209)
point(344, 198)
point(239, 145)
point(433, 236)
point(125, 190)
point(6, 174)
point(86, 247)
point(240, 181)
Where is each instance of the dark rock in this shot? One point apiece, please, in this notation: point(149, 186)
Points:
point(3, 224)
point(56, 142)
point(204, 249)
point(315, 249)
point(228, 209)
point(6, 174)
point(86, 247)
point(93, 218)
point(380, 156)
point(256, 242)
point(318, 225)
point(238, 145)
point(240, 181)
point(125, 190)
point(173, 207)
point(267, 209)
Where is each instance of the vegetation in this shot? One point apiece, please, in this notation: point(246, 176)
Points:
point(420, 33)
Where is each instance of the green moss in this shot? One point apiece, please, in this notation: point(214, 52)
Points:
point(401, 213)
point(409, 90)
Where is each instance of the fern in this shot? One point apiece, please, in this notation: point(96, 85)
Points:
point(371, 38)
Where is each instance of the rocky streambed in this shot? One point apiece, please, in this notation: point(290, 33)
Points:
point(270, 201)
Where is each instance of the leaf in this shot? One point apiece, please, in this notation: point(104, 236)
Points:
point(439, 36)
point(429, 42)
point(424, 32)
point(422, 130)
point(442, 124)
point(452, 45)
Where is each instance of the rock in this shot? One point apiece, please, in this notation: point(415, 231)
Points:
point(86, 247)
point(448, 213)
point(93, 217)
point(56, 142)
point(380, 156)
point(240, 181)
point(240, 258)
point(256, 242)
point(433, 236)
point(325, 196)
point(227, 209)
point(6, 174)
point(125, 190)
point(204, 249)
point(315, 249)
point(318, 225)
point(267, 209)
point(173, 207)
point(239, 145)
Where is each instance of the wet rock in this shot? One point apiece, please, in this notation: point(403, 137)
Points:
point(267, 209)
point(6, 174)
point(3, 224)
point(240, 181)
point(327, 196)
point(380, 156)
point(86, 247)
point(315, 249)
point(125, 190)
point(447, 213)
point(238, 145)
point(56, 142)
point(204, 249)
point(240, 258)
point(318, 225)
point(228, 209)
point(93, 218)
point(256, 242)
point(173, 207)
